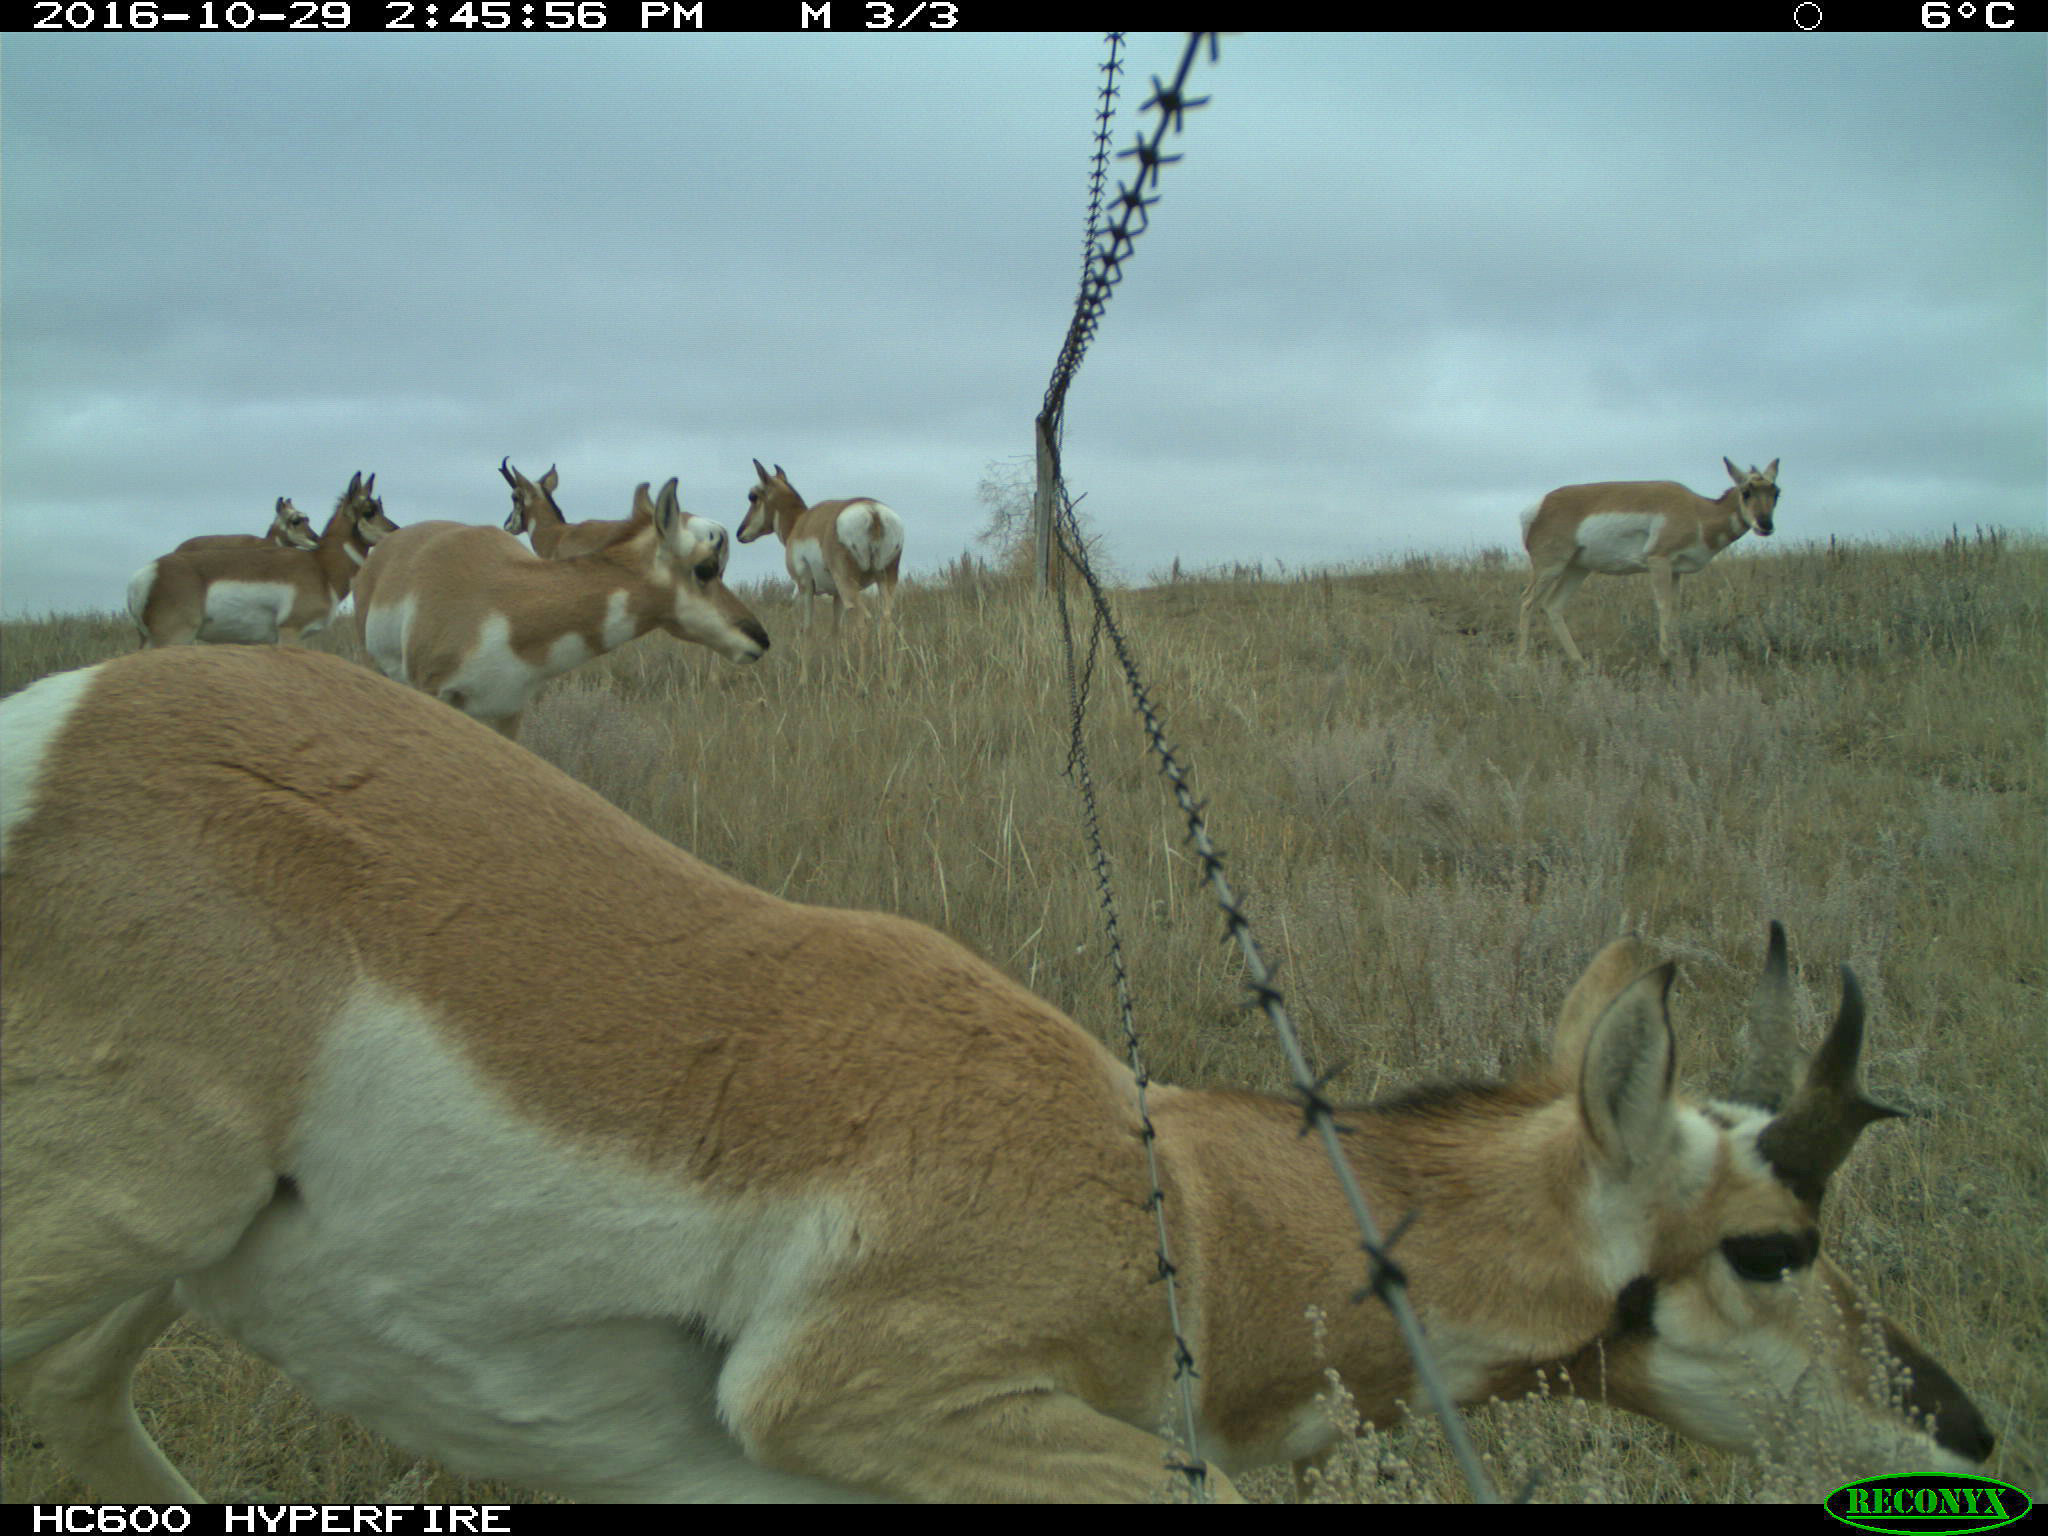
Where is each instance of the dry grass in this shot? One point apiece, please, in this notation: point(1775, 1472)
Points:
point(1433, 840)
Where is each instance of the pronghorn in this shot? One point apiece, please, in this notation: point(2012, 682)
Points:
point(664, 1188)
point(833, 549)
point(1621, 527)
point(473, 617)
point(259, 596)
point(535, 514)
point(289, 529)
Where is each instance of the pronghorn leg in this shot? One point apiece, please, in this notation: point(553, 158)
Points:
point(850, 601)
point(1664, 592)
point(1562, 586)
point(1024, 1445)
point(78, 1396)
point(124, 1172)
point(1539, 583)
point(887, 586)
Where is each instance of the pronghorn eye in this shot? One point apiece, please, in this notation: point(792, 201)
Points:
point(1768, 1258)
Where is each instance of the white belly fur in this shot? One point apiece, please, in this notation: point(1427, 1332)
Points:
point(482, 1292)
point(807, 568)
point(1619, 544)
point(249, 612)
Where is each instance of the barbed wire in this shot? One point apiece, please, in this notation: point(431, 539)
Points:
point(1108, 250)
point(1102, 270)
point(1386, 1279)
point(1184, 1372)
point(1098, 175)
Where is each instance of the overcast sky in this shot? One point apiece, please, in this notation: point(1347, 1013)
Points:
point(1398, 287)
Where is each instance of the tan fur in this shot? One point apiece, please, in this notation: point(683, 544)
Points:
point(1692, 530)
point(535, 514)
point(221, 848)
point(470, 589)
point(169, 606)
point(289, 529)
point(774, 506)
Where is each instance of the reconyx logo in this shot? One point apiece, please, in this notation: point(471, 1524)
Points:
point(1928, 1502)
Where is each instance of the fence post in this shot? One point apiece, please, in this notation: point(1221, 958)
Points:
point(1041, 505)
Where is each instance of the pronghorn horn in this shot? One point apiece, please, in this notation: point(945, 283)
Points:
point(511, 475)
point(370, 485)
point(355, 484)
point(1809, 1140)
point(1771, 1068)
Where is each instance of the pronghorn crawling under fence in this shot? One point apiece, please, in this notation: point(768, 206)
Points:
point(1624, 527)
point(289, 529)
point(473, 617)
point(664, 1188)
point(535, 514)
point(258, 596)
point(833, 549)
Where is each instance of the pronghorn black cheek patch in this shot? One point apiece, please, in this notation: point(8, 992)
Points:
point(1635, 1309)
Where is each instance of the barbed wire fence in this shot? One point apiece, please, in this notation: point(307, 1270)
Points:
point(1107, 249)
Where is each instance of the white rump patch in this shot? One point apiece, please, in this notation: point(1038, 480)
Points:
point(29, 722)
point(871, 546)
point(139, 587)
point(385, 630)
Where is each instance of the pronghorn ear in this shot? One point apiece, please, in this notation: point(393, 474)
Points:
point(370, 486)
point(1625, 1083)
point(355, 484)
point(760, 471)
point(667, 509)
point(1771, 474)
point(550, 480)
point(1611, 971)
point(643, 504)
point(280, 503)
point(1733, 473)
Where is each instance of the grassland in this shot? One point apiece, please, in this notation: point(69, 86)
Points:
point(1432, 840)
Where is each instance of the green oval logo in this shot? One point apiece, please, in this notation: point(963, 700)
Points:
point(1924, 1503)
